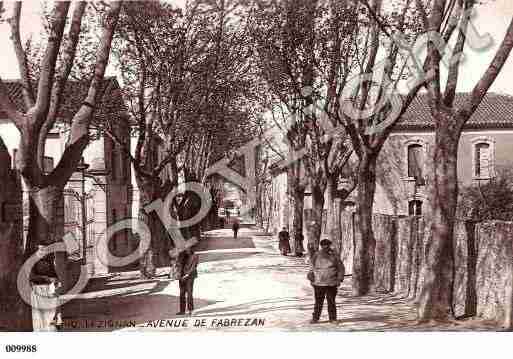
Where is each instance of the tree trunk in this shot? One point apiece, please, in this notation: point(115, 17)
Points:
point(188, 210)
point(317, 217)
point(211, 221)
point(363, 262)
point(15, 314)
point(43, 204)
point(333, 226)
point(297, 220)
point(435, 298)
point(146, 196)
point(296, 201)
point(297, 205)
point(269, 208)
point(259, 210)
point(46, 225)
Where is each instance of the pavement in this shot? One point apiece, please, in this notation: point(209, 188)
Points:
point(243, 284)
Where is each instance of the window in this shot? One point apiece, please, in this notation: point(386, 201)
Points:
point(48, 164)
point(416, 161)
point(482, 160)
point(415, 208)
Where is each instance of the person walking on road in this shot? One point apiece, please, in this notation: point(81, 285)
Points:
point(186, 270)
point(326, 274)
point(235, 227)
point(284, 241)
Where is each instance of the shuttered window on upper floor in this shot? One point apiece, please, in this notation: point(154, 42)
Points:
point(482, 160)
point(416, 161)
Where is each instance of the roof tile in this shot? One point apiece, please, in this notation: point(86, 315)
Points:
point(110, 102)
point(495, 111)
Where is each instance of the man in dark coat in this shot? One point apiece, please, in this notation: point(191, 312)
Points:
point(186, 270)
point(326, 274)
point(235, 227)
point(284, 241)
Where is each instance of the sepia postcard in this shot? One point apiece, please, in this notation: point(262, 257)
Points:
point(254, 166)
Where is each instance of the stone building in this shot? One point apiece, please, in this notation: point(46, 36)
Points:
point(108, 190)
point(404, 168)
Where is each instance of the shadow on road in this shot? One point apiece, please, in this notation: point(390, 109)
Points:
point(214, 257)
point(211, 243)
point(133, 307)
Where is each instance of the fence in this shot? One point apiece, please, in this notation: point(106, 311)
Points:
point(483, 253)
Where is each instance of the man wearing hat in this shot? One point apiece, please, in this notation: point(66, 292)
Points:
point(326, 274)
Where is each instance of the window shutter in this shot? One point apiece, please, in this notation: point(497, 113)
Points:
point(415, 208)
point(415, 161)
point(482, 160)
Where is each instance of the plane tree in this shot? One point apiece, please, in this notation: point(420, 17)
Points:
point(42, 98)
point(185, 82)
point(446, 21)
point(305, 54)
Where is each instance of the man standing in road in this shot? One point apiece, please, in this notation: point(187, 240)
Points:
point(235, 227)
point(326, 275)
point(186, 270)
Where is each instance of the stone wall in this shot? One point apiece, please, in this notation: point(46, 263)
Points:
point(494, 271)
point(385, 252)
point(465, 255)
point(483, 253)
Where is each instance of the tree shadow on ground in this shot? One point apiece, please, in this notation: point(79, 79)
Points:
point(210, 243)
point(214, 257)
point(131, 308)
point(96, 286)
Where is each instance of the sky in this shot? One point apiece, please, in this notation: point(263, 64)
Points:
point(492, 18)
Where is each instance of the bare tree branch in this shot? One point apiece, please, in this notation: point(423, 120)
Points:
point(491, 72)
point(14, 22)
point(62, 76)
point(434, 55)
point(49, 61)
point(457, 53)
point(79, 137)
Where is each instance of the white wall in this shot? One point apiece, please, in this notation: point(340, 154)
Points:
point(10, 135)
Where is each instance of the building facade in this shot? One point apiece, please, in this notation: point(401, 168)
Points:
point(404, 167)
point(107, 179)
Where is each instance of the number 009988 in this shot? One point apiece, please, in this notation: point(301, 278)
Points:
point(16, 348)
